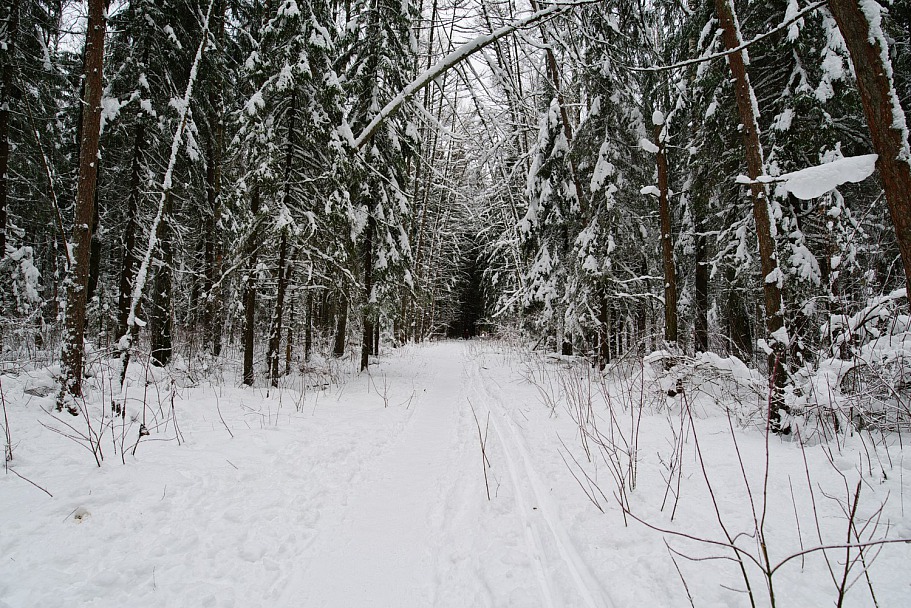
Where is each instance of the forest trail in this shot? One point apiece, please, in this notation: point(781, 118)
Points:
point(380, 548)
point(395, 540)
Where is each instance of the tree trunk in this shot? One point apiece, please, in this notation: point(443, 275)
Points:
point(212, 324)
point(211, 309)
point(739, 327)
point(762, 216)
point(308, 326)
point(603, 333)
point(886, 119)
point(289, 341)
point(95, 249)
point(367, 341)
point(250, 291)
point(701, 295)
point(6, 96)
point(341, 329)
point(130, 261)
point(376, 338)
point(667, 242)
point(275, 330)
point(162, 315)
point(72, 351)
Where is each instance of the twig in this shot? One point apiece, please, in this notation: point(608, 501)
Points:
point(16, 473)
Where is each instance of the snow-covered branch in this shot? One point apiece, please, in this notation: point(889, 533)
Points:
point(457, 56)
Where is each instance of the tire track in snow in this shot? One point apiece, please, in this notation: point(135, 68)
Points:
point(520, 468)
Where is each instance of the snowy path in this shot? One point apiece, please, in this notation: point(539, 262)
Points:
point(388, 545)
point(380, 552)
point(369, 491)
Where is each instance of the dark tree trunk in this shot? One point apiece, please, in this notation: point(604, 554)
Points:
point(667, 242)
point(250, 291)
point(130, 262)
point(740, 330)
point(212, 255)
point(771, 275)
point(77, 288)
point(212, 325)
point(308, 326)
point(6, 97)
point(289, 341)
point(701, 296)
point(367, 341)
point(341, 330)
point(275, 329)
point(376, 338)
point(885, 117)
point(162, 316)
point(95, 250)
point(603, 333)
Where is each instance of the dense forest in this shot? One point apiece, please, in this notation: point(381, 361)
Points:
point(262, 181)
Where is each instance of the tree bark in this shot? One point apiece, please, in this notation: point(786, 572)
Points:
point(6, 96)
point(308, 326)
point(95, 248)
point(762, 216)
point(701, 295)
point(275, 330)
point(885, 117)
point(212, 326)
point(73, 347)
point(130, 260)
point(367, 341)
point(162, 315)
point(250, 292)
point(341, 328)
point(667, 242)
point(211, 306)
point(289, 340)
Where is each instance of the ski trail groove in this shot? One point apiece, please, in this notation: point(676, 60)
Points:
point(585, 583)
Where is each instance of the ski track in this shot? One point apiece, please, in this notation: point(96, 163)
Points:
point(529, 489)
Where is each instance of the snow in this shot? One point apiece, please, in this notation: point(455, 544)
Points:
point(657, 118)
point(813, 182)
point(345, 489)
point(648, 146)
point(873, 12)
point(650, 191)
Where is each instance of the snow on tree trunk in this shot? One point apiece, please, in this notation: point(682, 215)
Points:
point(860, 24)
point(762, 216)
point(77, 284)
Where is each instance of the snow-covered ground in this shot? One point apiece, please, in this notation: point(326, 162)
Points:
point(345, 490)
